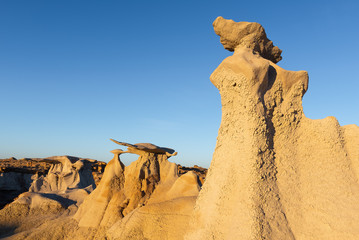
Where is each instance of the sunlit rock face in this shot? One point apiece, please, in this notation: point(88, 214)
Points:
point(145, 200)
point(148, 199)
point(275, 174)
point(246, 35)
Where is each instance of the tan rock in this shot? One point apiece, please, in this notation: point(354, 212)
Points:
point(275, 174)
point(126, 196)
point(66, 173)
point(246, 34)
point(146, 147)
point(127, 193)
point(16, 176)
point(56, 194)
point(164, 220)
point(92, 211)
point(199, 171)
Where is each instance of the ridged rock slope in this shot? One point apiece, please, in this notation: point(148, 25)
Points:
point(275, 174)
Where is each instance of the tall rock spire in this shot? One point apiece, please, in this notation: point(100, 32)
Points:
point(275, 174)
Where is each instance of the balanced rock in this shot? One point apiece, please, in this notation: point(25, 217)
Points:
point(130, 200)
point(146, 147)
point(275, 174)
point(246, 34)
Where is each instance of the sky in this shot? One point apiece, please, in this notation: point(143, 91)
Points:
point(75, 73)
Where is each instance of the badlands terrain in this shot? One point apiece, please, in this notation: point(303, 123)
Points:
point(275, 174)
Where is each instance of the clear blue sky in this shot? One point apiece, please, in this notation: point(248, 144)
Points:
point(75, 73)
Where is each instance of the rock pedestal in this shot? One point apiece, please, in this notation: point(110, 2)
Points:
point(144, 200)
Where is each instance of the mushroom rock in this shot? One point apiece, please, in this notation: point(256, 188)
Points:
point(275, 174)
point(127, 195)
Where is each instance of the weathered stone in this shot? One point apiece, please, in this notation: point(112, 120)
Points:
point(275, 174)
point(149, 181)
point(246, 34)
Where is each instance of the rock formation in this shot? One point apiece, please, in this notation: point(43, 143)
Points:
point(65, 173)
point(249, 35)
point(150, 198)
point(199, 171)
point(143, 199)
point(16, 176)
point(275, 174)
point(68, 181)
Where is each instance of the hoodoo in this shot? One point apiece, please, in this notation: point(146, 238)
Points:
point(145, 200)
point(275, 174)
point(149, 199)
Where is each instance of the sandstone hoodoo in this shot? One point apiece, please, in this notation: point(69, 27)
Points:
point(143, 199)
point(148, 199)
point(275, 174)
